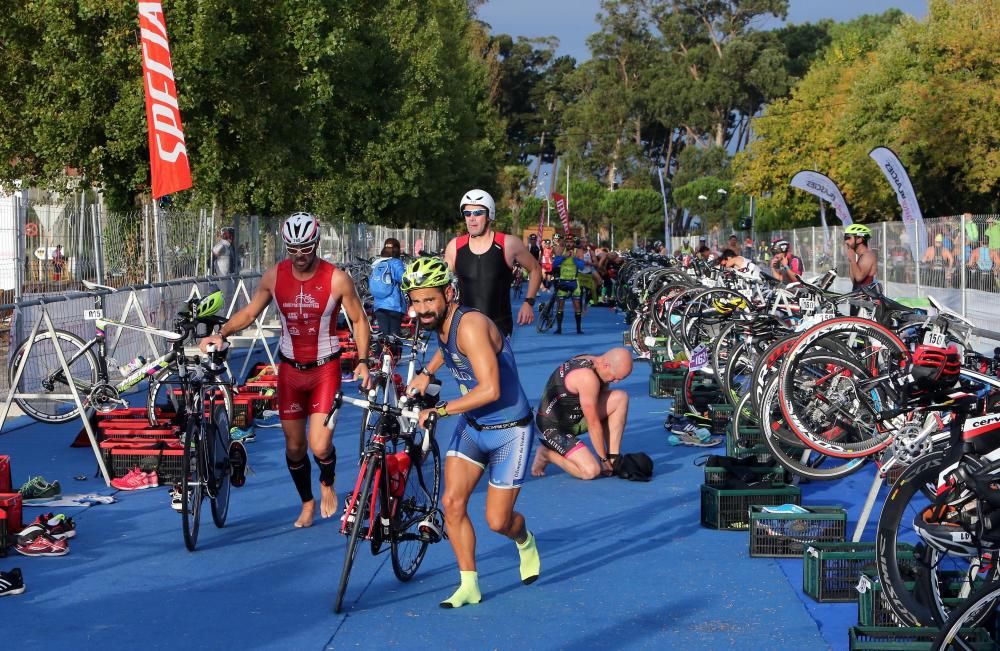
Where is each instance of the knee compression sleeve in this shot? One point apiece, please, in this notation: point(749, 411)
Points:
point(301, 472)
point(327, 467)
point(555, 440)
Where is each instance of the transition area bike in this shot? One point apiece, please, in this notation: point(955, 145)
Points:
point(396, 496)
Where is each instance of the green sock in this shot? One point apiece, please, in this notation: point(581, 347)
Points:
point(531, 564)
point(467, 593)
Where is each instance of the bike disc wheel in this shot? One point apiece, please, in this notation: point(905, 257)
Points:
point(192, 487)
point(361, 508)
point(43, 367)
point(220, 471)
point(419, 500)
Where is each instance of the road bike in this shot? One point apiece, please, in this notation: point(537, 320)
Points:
point(395, 498)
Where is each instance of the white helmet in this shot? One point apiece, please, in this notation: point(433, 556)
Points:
point(479, 198)
point(300, 229)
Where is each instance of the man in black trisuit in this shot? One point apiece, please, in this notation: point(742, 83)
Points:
point(533, 248)
point(483, 260)
point(578, 399)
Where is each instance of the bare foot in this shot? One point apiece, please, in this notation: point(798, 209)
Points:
point(538, 465)
point(306, 517)
point(328, 501)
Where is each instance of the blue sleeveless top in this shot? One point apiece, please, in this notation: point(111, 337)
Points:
point(512, 405)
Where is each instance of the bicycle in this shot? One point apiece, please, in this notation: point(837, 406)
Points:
point(207, 465)
point(37, 394)
point(395, 497)
point(546, 318)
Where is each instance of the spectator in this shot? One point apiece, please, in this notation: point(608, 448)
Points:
point(983, 264)
point(993, 234)
point(940, 260)
point(58, 261)
point(748, 248)
point(222, 253)
point(533, 248)
point(384, 285)
point(733, 244)
point(900, 264)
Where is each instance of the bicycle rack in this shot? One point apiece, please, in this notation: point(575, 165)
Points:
point(132, 304)
point(44, 317)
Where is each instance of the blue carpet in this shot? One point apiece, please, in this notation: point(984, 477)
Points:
point(624, 565)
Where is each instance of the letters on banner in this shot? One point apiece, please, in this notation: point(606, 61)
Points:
point(168, 155)
point(563, 211)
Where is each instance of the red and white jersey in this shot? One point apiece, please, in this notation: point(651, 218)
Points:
point(308, 311)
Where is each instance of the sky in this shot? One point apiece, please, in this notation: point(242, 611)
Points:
point(572, 21)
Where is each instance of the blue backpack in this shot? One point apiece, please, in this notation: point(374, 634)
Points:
point(380, 282)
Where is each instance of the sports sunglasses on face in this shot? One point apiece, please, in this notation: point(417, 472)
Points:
point(479, 212)
point(301, 250)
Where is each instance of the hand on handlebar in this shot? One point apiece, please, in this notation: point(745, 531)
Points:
point(212, 340)
point(427, 418)
point(361, 374)
point(418, 384)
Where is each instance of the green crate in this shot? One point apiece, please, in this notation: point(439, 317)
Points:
point(728, 509)
point(873, 607)
point(776, 475)
point(662, 385)
point(747, 437)
point(721, 415)
point(759, 452)
point(890, 638)
point(786, 535)
point(831, 571)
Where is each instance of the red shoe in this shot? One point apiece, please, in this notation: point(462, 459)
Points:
point(43, 545)
point(134, 481)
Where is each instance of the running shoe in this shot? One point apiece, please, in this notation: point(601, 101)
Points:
point(248, 435)
point(136, 480)
point(60, 527)
point(11, 583)
point(43, 545)
point(37, 488)
point(177, 498)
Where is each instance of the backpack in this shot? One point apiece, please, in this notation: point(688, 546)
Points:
point(380, 281)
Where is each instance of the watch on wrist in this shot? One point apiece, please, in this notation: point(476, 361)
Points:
point(426, 371)
point(530, 301)
point(441, 409)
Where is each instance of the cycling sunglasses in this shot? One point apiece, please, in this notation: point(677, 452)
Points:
point(479, 212)
point(300, 250)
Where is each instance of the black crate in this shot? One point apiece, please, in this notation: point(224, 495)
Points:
point(775, 475)
point(728, 509)
point(166, 461)
point(786, 535)
point(831, 571)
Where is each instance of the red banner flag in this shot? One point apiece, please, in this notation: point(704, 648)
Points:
point(168, 156)
point(563, 210)
point(541, 219)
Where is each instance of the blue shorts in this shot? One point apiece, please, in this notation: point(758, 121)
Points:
point(505, 452)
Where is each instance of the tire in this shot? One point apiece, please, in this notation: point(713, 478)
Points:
point(43, 366)
point(363, 496)
point(545, 318)
point(819, 397)
point(192, 486)
point(788, 450)
point(161, 394)
point(980, 604)
point(908, 497)
point(220, 471)
point(408, 548)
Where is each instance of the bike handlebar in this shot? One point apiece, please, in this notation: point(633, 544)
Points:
point(385, 410)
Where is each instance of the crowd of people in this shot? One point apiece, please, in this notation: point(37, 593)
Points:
point(464, 299)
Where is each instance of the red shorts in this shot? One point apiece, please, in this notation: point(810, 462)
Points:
point(301, 393)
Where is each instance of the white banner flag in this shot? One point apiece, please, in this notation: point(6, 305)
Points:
point(900, 182)
point(824, 188)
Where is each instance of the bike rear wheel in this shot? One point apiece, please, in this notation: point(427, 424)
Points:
point(419, 501)
point(192, 487)
point(545, 318)
point(361, 509)
point(219, 469)
point(44, 369)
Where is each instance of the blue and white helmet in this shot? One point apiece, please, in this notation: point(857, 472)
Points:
point(300, 229)
point(479, 198)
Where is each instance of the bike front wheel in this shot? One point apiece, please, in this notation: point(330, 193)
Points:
point(219, 469)
point(43, 375)
point(359, 506)
point(192, 487)
point(418, 503)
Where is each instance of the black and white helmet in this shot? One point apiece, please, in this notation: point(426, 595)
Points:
point(300, 229)
point(479, 198)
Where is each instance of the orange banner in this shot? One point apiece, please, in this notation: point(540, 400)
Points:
point(168, 155)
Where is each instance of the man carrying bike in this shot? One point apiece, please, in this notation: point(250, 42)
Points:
point(309, 293)
point(483, 260)
point(578, 398)
point(494, 432)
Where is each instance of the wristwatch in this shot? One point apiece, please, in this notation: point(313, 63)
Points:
point(441, 409)
point(530, 301)
point(426, 371)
